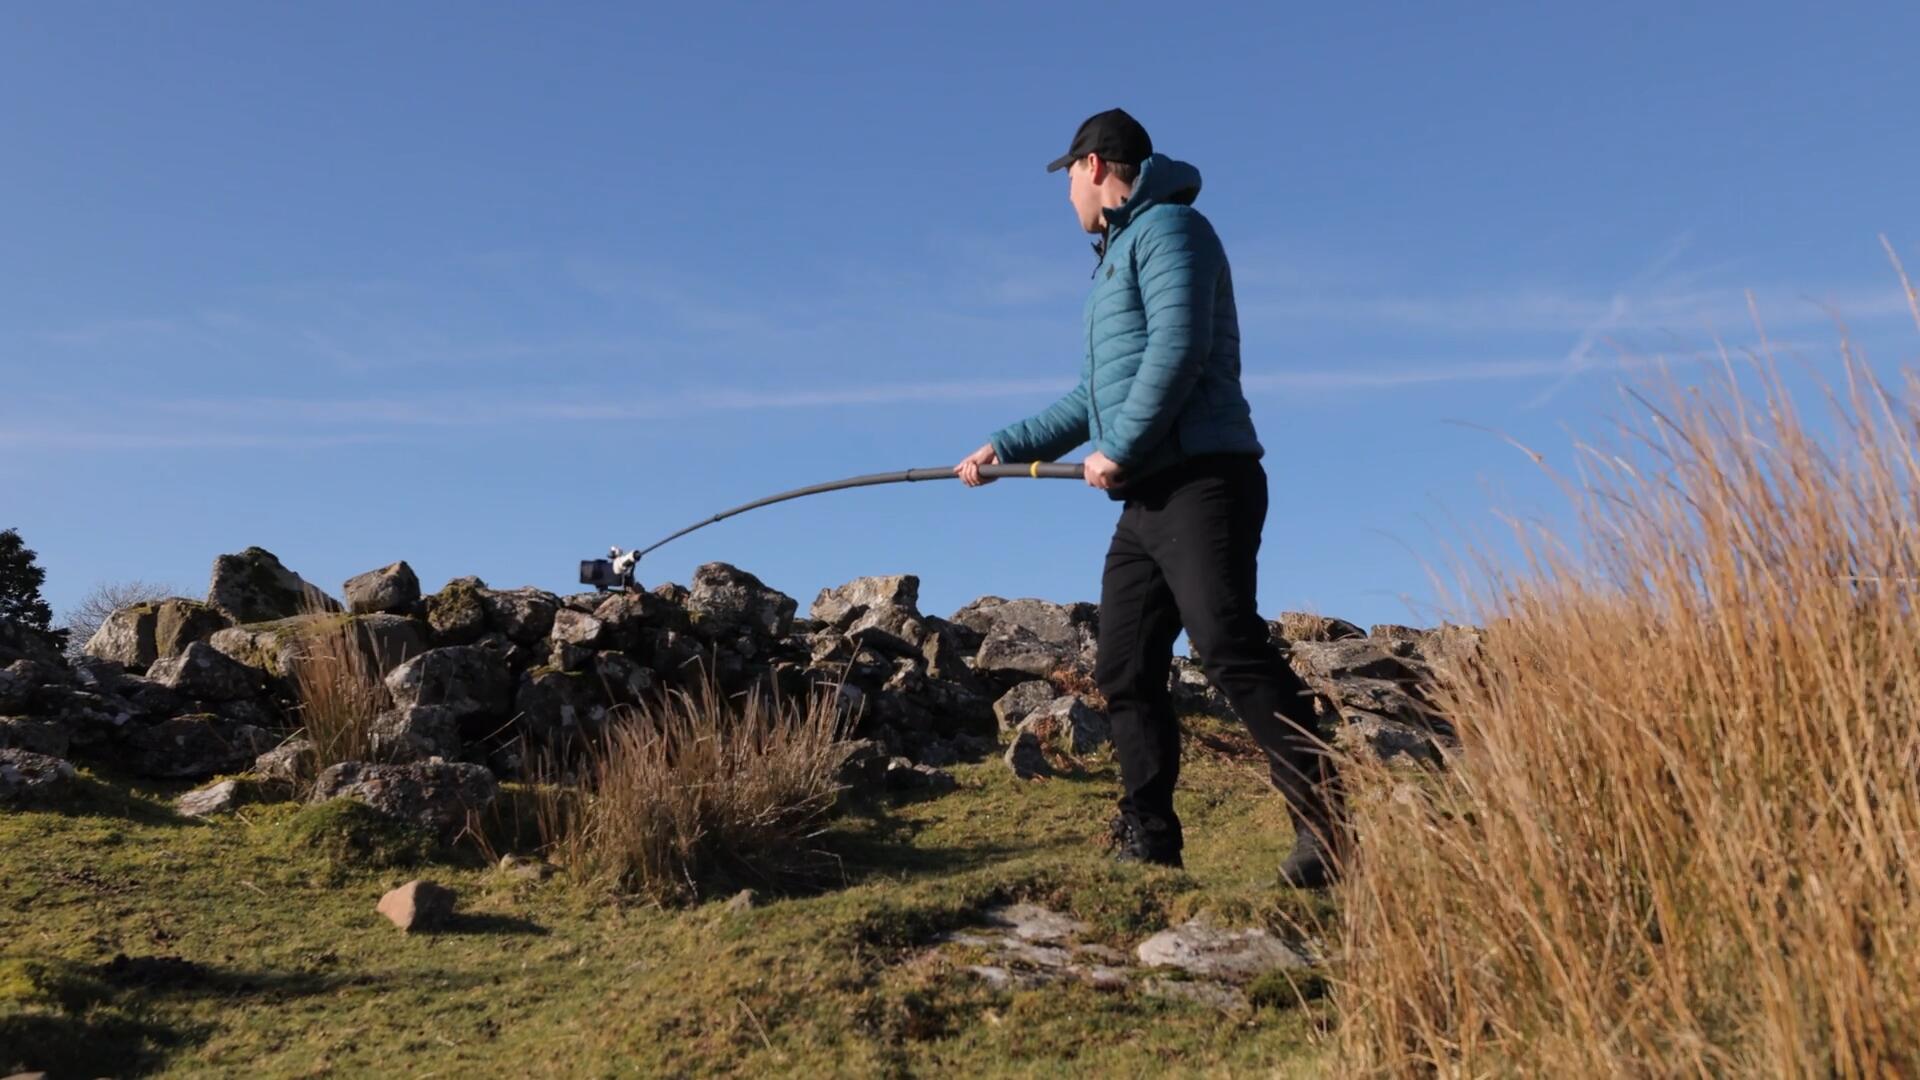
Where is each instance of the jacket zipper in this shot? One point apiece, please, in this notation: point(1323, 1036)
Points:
point(1105, 248)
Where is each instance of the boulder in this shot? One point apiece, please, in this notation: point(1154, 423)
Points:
point(864, 766)
point(1026, 757)
point(1206, 951)
point(434, 795)
point(577, 628)
point(220, 798)
point(524, 615)
point(1012, 653)
point(556, 707)
point(391, 590)
point(179, 622)
point(726, 601)
point(838, 607)
point(126, 637)
point(1018, 703)
point(40, 736)
point(627, 617)
point(194, 747)
point(416, 733)
point(457, 613)
point(287, 762)
point(469, 679)
point(383, 641)
point(203, 672)
point(1070, 725)
point(622, 679)
point(27, 777)
point(253, 586)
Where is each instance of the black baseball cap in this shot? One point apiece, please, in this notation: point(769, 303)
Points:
point(1113, 135)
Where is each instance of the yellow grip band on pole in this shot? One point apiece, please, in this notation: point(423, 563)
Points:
point(1034, 470)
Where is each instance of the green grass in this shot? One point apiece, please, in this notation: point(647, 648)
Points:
point(252, 947)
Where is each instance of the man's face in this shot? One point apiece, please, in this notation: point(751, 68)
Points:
point(1084, 195)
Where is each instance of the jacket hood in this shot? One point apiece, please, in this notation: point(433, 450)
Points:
point(1162, 180)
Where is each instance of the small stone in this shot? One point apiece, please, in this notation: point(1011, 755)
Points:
point(526, 867)
point(1025, 757)
point(418, 905)
point(741, 901)
point(217, 798)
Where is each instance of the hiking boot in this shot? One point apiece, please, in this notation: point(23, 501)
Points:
point(1313, 862)
point(1135, 844)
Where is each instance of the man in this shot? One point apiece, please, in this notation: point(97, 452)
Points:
point(1160, 399)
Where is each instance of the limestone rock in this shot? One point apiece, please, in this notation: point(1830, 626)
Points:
point(1206, 951)
point(434, 795)
point(287, 762)
point(1069, 724)
point(1026, 758)
point(202, 671)
point(416, 733)
point(576, 628)
point(418, 906)
point(392, 590)
point(194, 747)
point(468, 679)
point(220, 798)
point(725, 601)
point(457, 614)
point(29, 777)
point(40, 736)
point(126, 636)
point(179, 622)
point(1020, 702)
point(253, 586)
point(524, 615)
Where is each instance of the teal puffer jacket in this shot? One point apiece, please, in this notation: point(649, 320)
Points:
point(1160, 381)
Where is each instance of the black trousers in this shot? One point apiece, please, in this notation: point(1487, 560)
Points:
point(1184, 555)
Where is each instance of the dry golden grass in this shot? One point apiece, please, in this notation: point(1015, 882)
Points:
point(1681, 836)
point(689, 793)
point(336, 675)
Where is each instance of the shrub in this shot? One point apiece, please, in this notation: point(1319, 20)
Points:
point(1680, 836)
point(687, 794)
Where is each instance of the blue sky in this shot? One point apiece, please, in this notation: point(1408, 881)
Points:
point(488, 288)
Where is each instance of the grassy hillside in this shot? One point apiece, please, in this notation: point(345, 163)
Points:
point(137, 942)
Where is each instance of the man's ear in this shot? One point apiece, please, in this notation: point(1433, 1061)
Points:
point(1098, 170)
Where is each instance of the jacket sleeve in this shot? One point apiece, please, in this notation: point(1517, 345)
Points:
point(1178, 265)
point(1046, 435)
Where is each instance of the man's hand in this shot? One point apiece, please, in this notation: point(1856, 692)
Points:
point(969, 468)
point(1101, 471)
